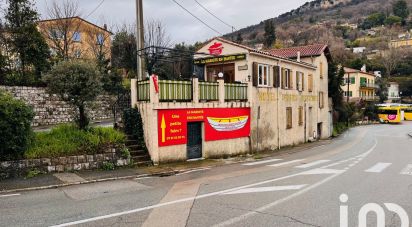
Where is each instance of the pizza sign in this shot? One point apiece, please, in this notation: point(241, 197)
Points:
point(216, 49)
point(219, 124)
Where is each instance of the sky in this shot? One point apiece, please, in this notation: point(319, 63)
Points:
point(180, 25)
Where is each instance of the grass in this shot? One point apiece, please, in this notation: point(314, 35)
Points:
point(67, 140)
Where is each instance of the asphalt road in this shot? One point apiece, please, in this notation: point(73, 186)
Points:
point(370, 164)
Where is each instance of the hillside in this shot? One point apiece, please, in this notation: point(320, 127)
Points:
point(334, 22)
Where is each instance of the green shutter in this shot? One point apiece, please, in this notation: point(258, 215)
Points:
point(352, 80)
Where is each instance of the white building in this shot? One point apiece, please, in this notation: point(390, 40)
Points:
point(393, 92)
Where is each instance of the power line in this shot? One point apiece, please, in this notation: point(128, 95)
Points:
point(94, 10)
point(197, 17)
point(232, 27)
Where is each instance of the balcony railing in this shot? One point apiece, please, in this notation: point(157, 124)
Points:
point(208, 91)
point(234, 92)
point(368, 85)
point(173, 90)
point(189, 91)
point(143, 93)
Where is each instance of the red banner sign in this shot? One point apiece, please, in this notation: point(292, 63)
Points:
point(219, 124)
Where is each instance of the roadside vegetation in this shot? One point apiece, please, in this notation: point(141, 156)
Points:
point(68, 140)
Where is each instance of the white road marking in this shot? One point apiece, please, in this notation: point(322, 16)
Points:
point(9, 195)
point(193, 170)
point(235, 220)
point(407, 170)
point(322, 171)
point(266, 189)
point(213, 194)
point(304, 166)
point(286, 163)
point(379, 167)
point(262, 162)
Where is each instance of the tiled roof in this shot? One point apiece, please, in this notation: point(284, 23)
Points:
point(350, 70)
point(79, 18)
point(305, 51)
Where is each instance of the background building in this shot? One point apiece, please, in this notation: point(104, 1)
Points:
point(359, 85)
point(75, 37)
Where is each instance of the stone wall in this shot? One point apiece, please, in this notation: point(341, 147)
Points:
point(50, 110)
point(71, 163)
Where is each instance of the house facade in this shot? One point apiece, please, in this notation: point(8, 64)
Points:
point(241, 100)
point(359, 85)
point(393, 92)
point(75, 37)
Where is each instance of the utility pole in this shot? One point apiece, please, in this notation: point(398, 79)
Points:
point(140, 39)
point(347, 99)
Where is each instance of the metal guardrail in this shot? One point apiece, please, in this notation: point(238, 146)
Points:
point(172, 90)
point(235, 92)
point(208, 91)
point(143, 92)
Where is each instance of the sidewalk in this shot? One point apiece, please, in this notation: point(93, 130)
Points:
point(47, 181)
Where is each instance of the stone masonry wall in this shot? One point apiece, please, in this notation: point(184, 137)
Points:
point(50, 110)
point(71, 163)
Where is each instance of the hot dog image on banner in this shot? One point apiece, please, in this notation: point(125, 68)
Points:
point(219, 124)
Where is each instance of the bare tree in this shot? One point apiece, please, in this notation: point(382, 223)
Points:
point(98, 44)
point(156, 40)
point(62, 27)
point(390, 59)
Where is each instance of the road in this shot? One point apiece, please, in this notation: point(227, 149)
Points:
point(368, 164)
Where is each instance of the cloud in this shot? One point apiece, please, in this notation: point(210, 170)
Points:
point(181, 26)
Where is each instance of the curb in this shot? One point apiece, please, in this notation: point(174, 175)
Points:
point(161, 174)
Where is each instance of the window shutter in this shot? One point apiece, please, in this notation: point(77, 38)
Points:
point(290, 85)
point(255, 73)
point(283, 82)
point(352, 80)
point(310, 83)
point(303, 81)
point(276, 76)
point(297, 81)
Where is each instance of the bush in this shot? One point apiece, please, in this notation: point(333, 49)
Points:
point(15, 127)
point(67, 140)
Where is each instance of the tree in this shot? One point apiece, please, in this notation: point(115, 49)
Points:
point(270, 33)
point(390, 59)
point(76, 82)
point(400, 9)
point(62, 28)
point(124, 50)
point(239, 38)
point(382, 89)
point(393, 20)
point(373, 20)
point(156, 40)
point(25, 40)
point(336, 74)
point(15, 127)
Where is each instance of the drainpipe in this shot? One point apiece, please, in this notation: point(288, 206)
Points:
point(277, 103)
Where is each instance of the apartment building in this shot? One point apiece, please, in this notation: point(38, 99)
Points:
point(241, 100)
point(76, 37)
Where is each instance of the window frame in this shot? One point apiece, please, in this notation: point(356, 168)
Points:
point(100, 39)
point(260, 82)
point(77, 37)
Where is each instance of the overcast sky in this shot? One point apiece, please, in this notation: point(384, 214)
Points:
point(181, 26)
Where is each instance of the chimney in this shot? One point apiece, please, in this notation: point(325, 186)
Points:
point(363, 69)
point(298, 58)
point(105, 26)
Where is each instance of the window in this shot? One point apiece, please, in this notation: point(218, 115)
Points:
point(288, 117)
point(76, 37)
point(56, 34)
point(321, 100)
point(263, 75)
point(100, 39)
point(286, 78)
point(301, 115)
point(321, 69)
point(310, 83)
point(77, 53)
point(345, 93)
point(299, 81)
